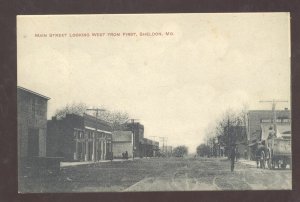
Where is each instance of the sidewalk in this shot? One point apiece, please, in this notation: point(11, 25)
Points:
point(67, 164)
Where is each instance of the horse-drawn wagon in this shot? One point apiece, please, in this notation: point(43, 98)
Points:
point(279, 151)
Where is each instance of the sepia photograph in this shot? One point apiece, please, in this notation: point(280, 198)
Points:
point(154, 102)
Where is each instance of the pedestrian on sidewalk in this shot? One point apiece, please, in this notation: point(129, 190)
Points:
point(232, 157)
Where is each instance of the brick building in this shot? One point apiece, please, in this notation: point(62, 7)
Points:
point(79, 138)
point(32, 123)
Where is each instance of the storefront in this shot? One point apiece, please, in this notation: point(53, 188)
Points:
point(92, 145)
point(79, 138)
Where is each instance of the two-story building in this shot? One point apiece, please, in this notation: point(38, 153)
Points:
point(32, 123)
point(79, 138)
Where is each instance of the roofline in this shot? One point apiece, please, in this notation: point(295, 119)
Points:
point(98, 119)
point(35, 93)
point(265, 110)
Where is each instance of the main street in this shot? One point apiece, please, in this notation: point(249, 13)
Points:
point(160, 174)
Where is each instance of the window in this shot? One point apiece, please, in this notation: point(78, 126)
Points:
point(75, 134)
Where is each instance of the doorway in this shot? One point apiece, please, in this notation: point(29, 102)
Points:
point(33, 142)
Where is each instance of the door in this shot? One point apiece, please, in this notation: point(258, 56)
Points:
point(33, 142)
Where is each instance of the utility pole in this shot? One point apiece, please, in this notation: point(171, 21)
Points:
point(133, 137)
point(163, 140)
point(154, 139)
point(97, 110)
point(274, 118)
point(167, 147)
point(228, 136)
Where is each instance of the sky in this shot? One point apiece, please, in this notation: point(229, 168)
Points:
point(177, 84)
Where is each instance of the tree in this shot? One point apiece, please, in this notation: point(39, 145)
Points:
point(74, 108)
point(180, 151)
point(115, 118)
point(203, 150)
point(230, 129)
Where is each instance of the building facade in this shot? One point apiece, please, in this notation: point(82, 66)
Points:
point(32, 123)
point(79, 138)
point(122, 141)
point(149, 148)
point(137, 130)
point(142, 147)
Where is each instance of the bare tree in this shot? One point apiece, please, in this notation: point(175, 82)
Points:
point(229, 129)
point(117, 119)
point(74, 108)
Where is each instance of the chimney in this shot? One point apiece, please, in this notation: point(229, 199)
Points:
point(286, 109)
point(54, 118)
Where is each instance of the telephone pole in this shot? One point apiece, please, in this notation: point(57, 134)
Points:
point(229, 138)
point(97, 110)
point(133, 137)
point(163, 140)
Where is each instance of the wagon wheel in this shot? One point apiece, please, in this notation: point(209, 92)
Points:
point(273, 164)
point(278, 164)
point(283, 166)
point(284, 163)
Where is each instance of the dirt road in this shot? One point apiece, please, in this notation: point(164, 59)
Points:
point(160, 174)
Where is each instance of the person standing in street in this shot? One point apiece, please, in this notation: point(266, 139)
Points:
point(232, 157)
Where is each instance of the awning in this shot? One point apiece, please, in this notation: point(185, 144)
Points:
point(98, 130)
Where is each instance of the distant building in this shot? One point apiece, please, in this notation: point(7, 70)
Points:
point(138, 134)
point(149, 148)
point(32, 123)
point(258, 121)
point(142, 147)
point(122, 141)
point(79, 138)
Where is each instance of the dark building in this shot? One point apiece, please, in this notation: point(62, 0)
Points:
point(32, 123)
point(241, 142)
point(142, 147)
point(79, 138)
point(149, 148)
point(138, 134)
